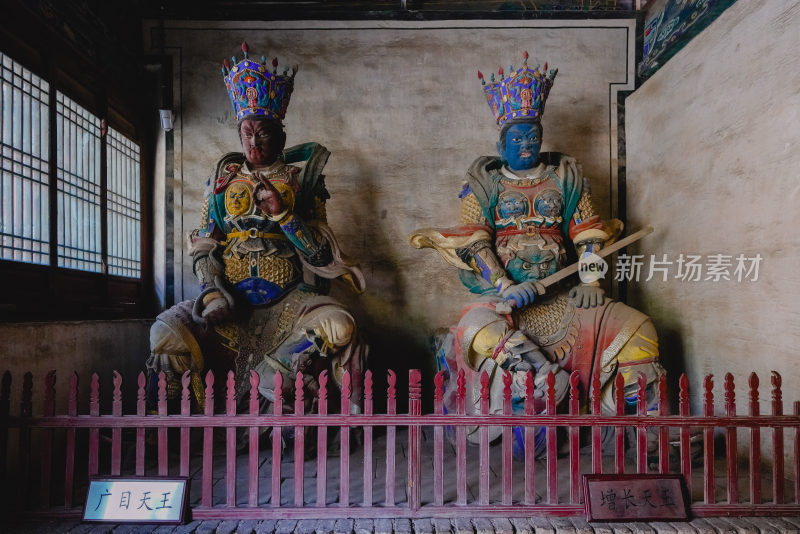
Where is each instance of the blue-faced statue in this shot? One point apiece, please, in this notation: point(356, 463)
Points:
point(525, 215)
point(519, 144)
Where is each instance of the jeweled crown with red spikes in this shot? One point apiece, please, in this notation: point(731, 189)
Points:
point(520, 95)
point(255, 90)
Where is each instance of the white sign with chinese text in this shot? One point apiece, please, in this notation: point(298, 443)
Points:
point(142, 500)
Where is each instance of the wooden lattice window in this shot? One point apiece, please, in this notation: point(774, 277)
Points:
point(71, 206)
point(24, 187)
point(124, 206)
point(78, 181)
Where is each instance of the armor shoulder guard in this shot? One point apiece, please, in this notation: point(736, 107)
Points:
point(311, 158)
point(562, 164)
point(227, 167)
point(483, 178)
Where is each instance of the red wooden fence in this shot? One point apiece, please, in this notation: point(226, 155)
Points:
point(94, 429)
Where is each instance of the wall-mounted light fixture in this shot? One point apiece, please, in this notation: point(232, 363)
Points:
point(166, 119)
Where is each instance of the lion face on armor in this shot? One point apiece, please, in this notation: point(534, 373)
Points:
point(237, 199)
point(532, 264)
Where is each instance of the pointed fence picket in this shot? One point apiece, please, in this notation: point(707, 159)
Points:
point(289, 418)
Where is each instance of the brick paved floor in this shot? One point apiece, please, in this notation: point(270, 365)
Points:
point(717, 525)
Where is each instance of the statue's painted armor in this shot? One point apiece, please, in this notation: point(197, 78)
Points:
point(530, 216)
point(533, 225)
point(262, 259)
point(259, 260)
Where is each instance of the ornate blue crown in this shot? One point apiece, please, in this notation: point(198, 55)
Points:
point(521, 95)
point(254, 90)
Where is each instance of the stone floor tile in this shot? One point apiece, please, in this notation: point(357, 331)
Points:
point(266, 526)
point(143, 528)
point(722, 525)
point(325, 526)
point(704, 527)
point(402, 526)
point(306, 526)
point(683, 527)
point(783, 526)
point(792, 520)
point(760, 525)
point(740, 526)
point(227, 527)
point(421, 526)
point(343, 526)
point(602, 528)
point(482, 525)
point(207, 526)
point(81, 528)
point(364, 526)
point(542, 525)
point(187, 528)
point(463, 525)
point(383, 526)
point(563, 525)
point(285, 526)
point(581, 525)
point(639, 527)
point(442, 526)
point(246, 526)
point(663, 528)
point(521, 525)
point(502, 526)
point(117, 529)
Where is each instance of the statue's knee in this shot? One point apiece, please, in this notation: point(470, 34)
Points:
point(647, 337)
point(481, 331)
point(336, 328)
point(489, 337)
point(165, 339)
point(168, 351)
point(484, 343)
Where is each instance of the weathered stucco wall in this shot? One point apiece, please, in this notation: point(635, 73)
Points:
point(66, 347)
point(402, 111)
point(713, 155)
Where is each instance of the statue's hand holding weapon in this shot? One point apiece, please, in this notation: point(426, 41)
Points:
point(518, 354)
point(217, 310)
point(587, 295)
point(519, 295)
point(214, 305)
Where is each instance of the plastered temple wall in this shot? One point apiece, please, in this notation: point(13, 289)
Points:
point(82, 347)
point(713, 157)
point(401, 109)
